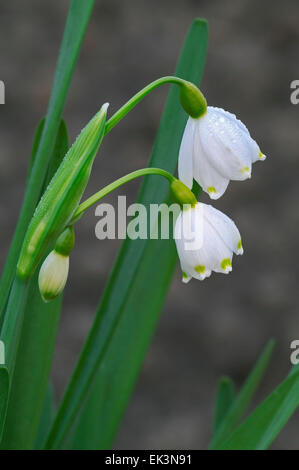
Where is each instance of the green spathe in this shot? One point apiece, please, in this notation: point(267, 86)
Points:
point(62, 196)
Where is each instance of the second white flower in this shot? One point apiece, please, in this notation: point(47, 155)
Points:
point(206, 240)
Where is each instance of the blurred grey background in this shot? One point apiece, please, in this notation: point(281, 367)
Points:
point(209, 329)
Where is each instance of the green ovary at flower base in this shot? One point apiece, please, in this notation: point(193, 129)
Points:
point(192, 100)
point(182, 194)
point(62, 196)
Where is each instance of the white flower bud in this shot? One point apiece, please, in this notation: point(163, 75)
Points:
point(53, 275)
point(216, 148)
point(216, 238)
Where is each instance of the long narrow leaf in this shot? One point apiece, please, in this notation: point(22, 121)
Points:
point(35, 145)
point(135, 293)
point(242, 401)
point(46, 420)
point(4, 390)
point(224, 400)
point(267, 420)
point(10, 336)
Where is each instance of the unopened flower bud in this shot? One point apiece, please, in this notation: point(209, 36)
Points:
point(53, 275)
point(54, 271)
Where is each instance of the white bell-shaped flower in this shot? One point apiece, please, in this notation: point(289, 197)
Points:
point(53, 275)
point(216, 148)
point(206, 240)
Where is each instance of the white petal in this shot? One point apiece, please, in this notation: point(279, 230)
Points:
point(256, 154)
point(225, 227)
point(186, 256)
point(211, 181)
point(226, 145)
point(189, 249)
point(214, 251)
point(232, 117)
point(188, 236)
point(185, 165)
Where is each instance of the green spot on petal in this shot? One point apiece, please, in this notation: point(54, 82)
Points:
point(226, 263)
point(261, 154)
point(200, 269)
point(185, 276)
point(239, 244)
point(245, 169)
point(211, 189)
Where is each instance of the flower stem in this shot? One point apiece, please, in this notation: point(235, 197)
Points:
point(124, 110)
point(116, 184)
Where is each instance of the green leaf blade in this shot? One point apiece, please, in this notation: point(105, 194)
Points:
point(35, 145)
point(261, 428)
point(224, 400)
point(4, 390)
point(242, 401)
point(46, 418)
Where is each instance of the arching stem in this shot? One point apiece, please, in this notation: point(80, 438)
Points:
point(123, 111)
point(116, 184)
